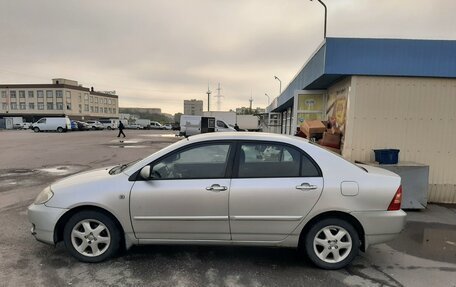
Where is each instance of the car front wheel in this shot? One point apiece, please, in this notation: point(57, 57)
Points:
point(36, 129)
point(91, 236)
point(332, 243)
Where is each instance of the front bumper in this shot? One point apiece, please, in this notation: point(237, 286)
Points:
point(43, 220)
point(381, 226)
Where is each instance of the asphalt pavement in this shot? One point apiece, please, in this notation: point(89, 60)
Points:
point(423, 255)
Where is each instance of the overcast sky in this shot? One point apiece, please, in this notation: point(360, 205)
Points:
point(156, 53)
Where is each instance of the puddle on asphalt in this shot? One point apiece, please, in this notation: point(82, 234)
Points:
point(128, 146)
point(61, 169)
point(133, 141)
point(16, 178)
point(159, 135)
point(432, 241)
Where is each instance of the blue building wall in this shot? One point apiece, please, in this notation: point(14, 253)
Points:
point(341, 57)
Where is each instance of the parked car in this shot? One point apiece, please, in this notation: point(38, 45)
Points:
point(168, 126)
point(110, 124)
point(95, 125)
point(74, 126)
point(82, 126)
point(23, 126)
point(134, 127)
point(59, 124)
point(225, 188)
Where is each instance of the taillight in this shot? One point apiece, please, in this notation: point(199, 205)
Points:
point(397, 199)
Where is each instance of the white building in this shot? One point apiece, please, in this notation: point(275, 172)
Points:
point(193, 107)
point(62, 97)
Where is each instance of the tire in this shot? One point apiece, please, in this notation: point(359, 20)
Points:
point(90, 232)
point(329, 238)
point(109, 128)
point(36, 129)
point(60, 130)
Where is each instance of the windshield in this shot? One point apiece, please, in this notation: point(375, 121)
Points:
point(121, 167)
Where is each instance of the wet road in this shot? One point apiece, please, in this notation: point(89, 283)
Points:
point(423, 255)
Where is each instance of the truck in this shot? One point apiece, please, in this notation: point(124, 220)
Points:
point(228, 117)
point(248, 122)
point(192, 125)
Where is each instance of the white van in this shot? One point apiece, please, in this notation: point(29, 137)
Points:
point(61, 124)
point(192, 125)
point(110, 124)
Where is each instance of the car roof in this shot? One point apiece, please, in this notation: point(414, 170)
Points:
point(246, 136)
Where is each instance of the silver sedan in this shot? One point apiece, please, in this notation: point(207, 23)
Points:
point(227, 189)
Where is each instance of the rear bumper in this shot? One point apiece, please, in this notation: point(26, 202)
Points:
point(381, 226)
point(43, 220)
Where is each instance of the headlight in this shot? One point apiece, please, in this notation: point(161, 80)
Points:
point(44, 196)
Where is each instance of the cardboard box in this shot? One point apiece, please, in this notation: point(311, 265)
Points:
point(312, 127)
point(330, 140)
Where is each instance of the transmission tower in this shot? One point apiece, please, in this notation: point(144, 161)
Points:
point(219, 98)
point(208, 98)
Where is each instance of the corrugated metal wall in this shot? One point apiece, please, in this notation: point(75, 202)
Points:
point(415, 115)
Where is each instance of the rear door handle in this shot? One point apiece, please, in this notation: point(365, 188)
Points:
point(216, 188)
point(306, 186)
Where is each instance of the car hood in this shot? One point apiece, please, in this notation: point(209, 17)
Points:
point(81, 178)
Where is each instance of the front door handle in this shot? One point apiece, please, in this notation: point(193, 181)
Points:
point(306, 186)
point(216, 188)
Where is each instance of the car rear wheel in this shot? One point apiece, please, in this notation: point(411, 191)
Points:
point(332, 243)
point(109, 128)
point(59, 129)
point(91, 236)
point(36, 129)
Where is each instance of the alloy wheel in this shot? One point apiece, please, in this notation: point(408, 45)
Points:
point(90, 237)
point(332, 244)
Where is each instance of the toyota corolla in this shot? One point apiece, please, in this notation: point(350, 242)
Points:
point(226, 189)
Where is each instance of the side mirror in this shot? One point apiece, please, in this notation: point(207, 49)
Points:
point(145, 172)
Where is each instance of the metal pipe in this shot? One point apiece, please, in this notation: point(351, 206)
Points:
point(326, 16)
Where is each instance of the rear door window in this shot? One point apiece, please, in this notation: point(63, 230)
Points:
point(269, 160)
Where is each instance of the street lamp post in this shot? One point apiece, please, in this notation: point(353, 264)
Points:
point(326, 16)
point(280, 84)
point(268, 98)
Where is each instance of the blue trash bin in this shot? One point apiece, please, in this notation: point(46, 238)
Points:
point(387, 156)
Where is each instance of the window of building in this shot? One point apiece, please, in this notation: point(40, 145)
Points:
point(59, 106)
point(203, 161)
point(101, 109)
point(5, 106)
point(49, 94)
point(80, 97)
point(110, 110)
point(31, 106)
point(3, 94)
point(50, 106)
point(31, 94)
point(86, 97)
point(22, 106)
point(96, 109)
point(14, 106)
point(59, 94)
point(105, 110)
point(80, 108)
point(96, 100)
point(86, 107)
point(109, 101)
point(91, 109)
point(22, 94)
point(114, 110)
point(91, 99)
point(39, 94)
point(105, 101)
point(12, 94)
point(40, 106)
